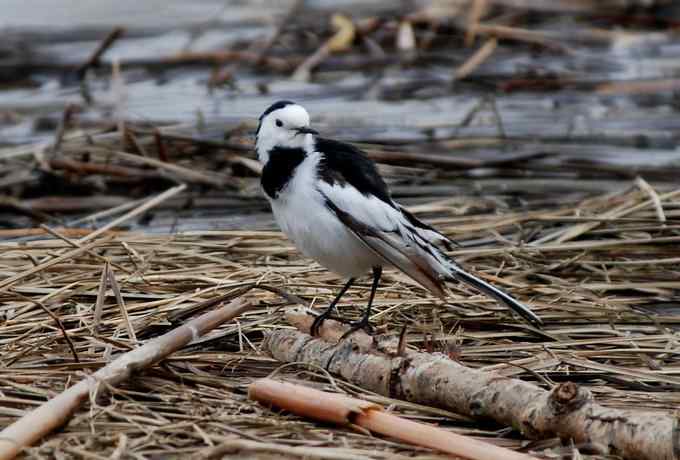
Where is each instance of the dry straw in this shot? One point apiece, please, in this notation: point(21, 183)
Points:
point(603, 276)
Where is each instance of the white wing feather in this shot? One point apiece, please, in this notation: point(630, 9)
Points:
point(384, 230)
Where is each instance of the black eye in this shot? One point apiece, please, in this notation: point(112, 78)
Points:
point(279, 123)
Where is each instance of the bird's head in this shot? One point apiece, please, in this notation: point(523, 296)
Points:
point(283, 124)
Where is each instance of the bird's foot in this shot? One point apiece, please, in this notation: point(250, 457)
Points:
point(362, 325)
point(318, 321)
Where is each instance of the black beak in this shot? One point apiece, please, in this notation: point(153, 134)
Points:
point(306, 130)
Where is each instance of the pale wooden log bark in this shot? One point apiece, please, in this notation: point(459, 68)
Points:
point(55, 412)
point(567, 411)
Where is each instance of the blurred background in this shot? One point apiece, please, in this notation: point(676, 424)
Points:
point(486, 104)
point(541, 135)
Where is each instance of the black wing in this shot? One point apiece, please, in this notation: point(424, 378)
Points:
point(344, 163)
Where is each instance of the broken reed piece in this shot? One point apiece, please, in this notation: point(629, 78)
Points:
point(93, 60)
point(38, 231)
point(57, 411)
point(345, 32)
point(566, 411)
point(336, 408)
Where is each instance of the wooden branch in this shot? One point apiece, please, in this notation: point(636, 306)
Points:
point(181, 173)
point(336, 408)
point(449, 161)
point(567, 411)
point(86, 168)
point(55, 412)
point(39, 231)
point(477, 59)
point(139, 210)
point(93, 60)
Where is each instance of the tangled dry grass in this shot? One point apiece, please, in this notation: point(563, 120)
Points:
point(602, 274)
point(511, 116)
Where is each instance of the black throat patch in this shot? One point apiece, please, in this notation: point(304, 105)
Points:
point(280, 169)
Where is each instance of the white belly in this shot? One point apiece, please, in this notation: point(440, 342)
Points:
point(318, 234)
point(302, 214)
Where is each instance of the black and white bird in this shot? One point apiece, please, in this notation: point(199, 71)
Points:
point(329, 199)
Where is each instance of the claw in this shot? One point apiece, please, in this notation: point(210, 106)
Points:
point(362, 324)
point(318, 321)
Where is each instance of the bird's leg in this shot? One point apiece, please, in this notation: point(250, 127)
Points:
point(363, 322)
point(314, 328)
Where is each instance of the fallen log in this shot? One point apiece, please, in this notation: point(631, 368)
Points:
point(567, 411)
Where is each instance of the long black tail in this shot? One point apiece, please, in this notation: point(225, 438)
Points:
point(500, 296)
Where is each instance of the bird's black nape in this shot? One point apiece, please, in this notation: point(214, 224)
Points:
point(275, 106)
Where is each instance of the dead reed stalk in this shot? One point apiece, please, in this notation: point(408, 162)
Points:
point(57, 411)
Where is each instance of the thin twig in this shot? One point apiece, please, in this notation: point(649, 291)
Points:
point(656, 201)
point(72, 243)
point(133, 213)
point(56, 319)
point(104, 45)
point(121, 304)
point(101, 297)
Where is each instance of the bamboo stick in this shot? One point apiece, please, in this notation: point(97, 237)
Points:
point(331, 407)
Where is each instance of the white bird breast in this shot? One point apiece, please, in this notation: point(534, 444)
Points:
point(301, 212)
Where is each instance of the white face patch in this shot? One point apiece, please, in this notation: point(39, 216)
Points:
point(279, 129)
